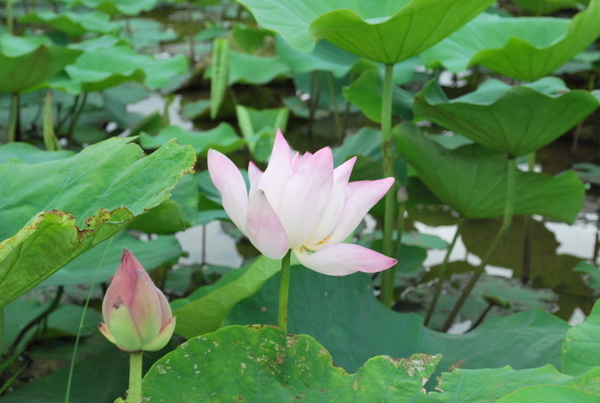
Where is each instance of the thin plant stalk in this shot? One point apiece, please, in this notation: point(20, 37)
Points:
point(134, 393)
point(76, 115)
point(443, 269)
point(399, 230)
point(506, 221)
point(334, 104)
point(526, 258)
point(315, 94)
point(191, 38)
point(284, 291)
point(387, 282)
point(13, 117)
point(10, 28)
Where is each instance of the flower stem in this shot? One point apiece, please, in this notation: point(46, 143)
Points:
point(134, 394)
point(284, 291)
point(442, 276)
point(13, 118)
point(387, 281)
point(506, 221)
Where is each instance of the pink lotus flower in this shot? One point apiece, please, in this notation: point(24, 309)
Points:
point(301, 203)
point(137, 316)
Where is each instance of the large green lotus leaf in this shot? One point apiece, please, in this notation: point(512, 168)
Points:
point(101, 263)
point(387, 31)
point(581, 348)
point(204, 312)
point(26, 62)
point(116, 7)
point(265, 364)
point(30, 154)
point(549, 394)
point(106, 67)
point(83, 200)
point(343, 314)
point(514, 120)
point(489, 385)
point(473, 180)
point(222, 138)
point(325, 57)
point(522, 48)
point(541, 7)
point(393, 38)
point(73, 24)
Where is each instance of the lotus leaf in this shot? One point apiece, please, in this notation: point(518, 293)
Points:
point(489, 385)
point(345, 317)
point(514, 120)
point(73, 24)
point(522, 48)
point(265, 364)
point(549, 394)
point(42, 59)
point(473, 180)
point(83, 200)
point(117, 7)
point(222, 138)
point(103, 68)
point(387, 31)
point(581, 348)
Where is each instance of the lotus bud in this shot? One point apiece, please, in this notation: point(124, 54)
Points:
point(137, 316)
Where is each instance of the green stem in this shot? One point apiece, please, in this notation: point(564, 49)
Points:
point(442, 276)
point(334, 104)
point(76, 115)
point(387, 281)
point(9, 17)
point(507, 219)
point(191, 39)
point(284, 291)
point(13, 117)
point(134, 393)
point(37, 320)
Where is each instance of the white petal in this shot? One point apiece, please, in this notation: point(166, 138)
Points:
point(343, 258)
point(306, 195)
point(264, 228)
point(361, 196)
point(230, 183)
point(254, 176)
point(278, 171)
point(333, 212)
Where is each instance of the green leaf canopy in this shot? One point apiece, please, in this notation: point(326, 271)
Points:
point(387, 31)
point(522, 48)
point(83, 200)
point(473, 180)
point(514, 120)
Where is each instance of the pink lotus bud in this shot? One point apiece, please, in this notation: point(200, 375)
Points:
point(136, 314)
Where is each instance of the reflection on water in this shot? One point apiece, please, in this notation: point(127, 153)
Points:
point(220, 247)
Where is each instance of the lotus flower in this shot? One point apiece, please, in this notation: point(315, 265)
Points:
point(302, 203)
point(137, 316)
